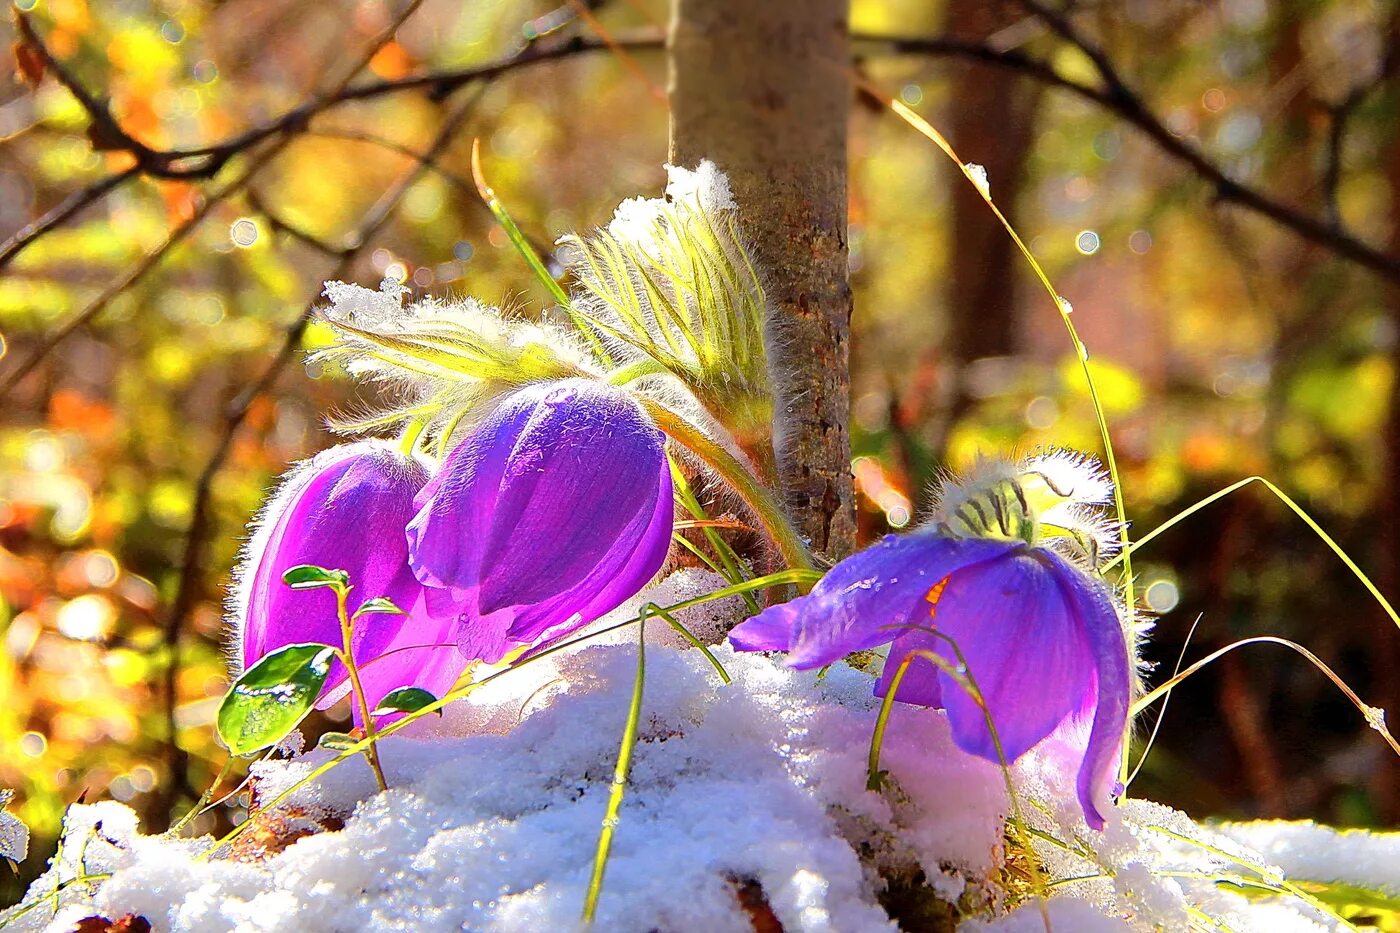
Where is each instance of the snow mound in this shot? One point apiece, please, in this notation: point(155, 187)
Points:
point(747, 802)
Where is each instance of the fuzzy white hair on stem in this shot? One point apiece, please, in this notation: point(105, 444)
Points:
point(670, 282)
point(444, 364)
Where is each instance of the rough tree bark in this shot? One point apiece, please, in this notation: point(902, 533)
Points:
point(981, 287)
point(761, 87)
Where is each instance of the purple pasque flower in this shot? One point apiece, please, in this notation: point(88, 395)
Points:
point(555, 510)
point(1040, 633)
point(346, 508)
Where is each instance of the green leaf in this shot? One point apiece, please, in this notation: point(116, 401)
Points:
point(336, 741)
point(272, 696)
point(405, 700)
point(378, 604)
point(307, 576)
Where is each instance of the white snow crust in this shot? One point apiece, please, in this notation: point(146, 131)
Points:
point(494, 810)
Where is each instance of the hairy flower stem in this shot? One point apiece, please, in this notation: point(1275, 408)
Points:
point(348, 658)
point(408, 439)
point(760, 501)
point(759, 450)
point(636, 370)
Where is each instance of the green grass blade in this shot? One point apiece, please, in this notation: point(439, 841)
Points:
point(1374, 716)
point(1297, 510)
point(527, 252)
point(619, 781)
point(732, 571)
point(689, 636)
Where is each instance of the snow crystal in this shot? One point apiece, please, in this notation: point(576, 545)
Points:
point(706, 188)
point(366, 307)
point(1311, 852)
point(494, 809)
point(14, 835)
point(978, 175)
point(1064, 913)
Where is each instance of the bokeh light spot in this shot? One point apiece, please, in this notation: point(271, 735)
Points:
point(243, 232)
point(1042, 412)
point(86, 618)
point(1162, 596)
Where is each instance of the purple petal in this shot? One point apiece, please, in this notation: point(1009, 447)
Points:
point(859, 603)
point(919, 685)
point(423, 653)
point(447, 536)
point(1024, 648)
point(621, 573)
point(555, 511)
point(582, 474)
point(770, 630)
point(1094, 609)
point(478, 637)
point(344, 509)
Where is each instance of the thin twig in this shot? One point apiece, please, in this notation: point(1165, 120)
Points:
point(134, 275)
point(204, 162)
point(280, 224)
point(463, 184)
point(1340, 114)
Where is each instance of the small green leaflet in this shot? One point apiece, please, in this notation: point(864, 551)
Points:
point(336, 741)
point(405, 700)
point(272, 696)
point(378, 604)
point(306, 576)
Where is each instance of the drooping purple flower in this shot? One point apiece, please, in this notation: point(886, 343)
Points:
point(346, 509)
point(555, 510)
point(1041, 636)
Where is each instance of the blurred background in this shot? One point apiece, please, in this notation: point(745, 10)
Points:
point(1226, 223)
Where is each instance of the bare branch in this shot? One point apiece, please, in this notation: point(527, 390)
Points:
point(190, 224)
point(206, 162)
point(133, 276)
point(1118, 98)
point(461, 183)
point(438, 85)
point(105, 133)
point(60, 215)
point(1341, 112)
point(280, 224)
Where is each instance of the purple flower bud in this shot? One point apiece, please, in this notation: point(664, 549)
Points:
point(556, 510)
point(345, 509)
point(1041, 637)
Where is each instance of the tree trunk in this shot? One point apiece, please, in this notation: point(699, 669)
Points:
point(762, 88)
point(982, 272)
